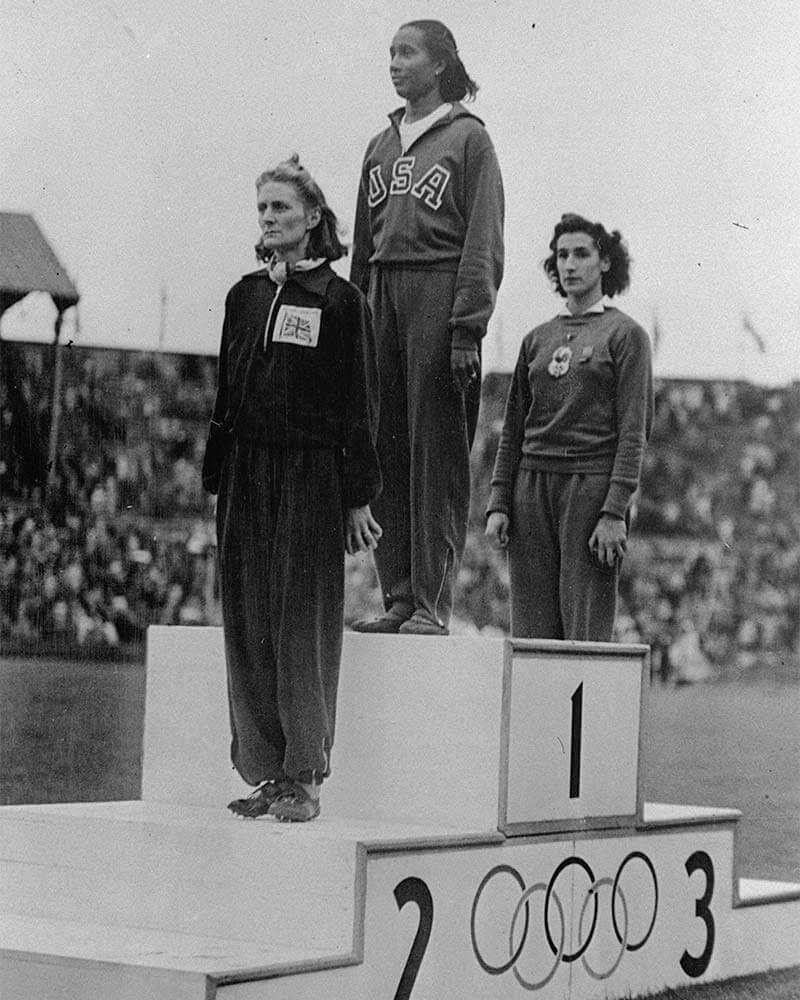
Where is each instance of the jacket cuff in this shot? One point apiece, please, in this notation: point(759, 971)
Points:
point(355, 500)
point(498, 502)
point(365, 490)
point(617, 500)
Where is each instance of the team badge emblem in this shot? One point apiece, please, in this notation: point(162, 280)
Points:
point(297, 325)
point(559, 363)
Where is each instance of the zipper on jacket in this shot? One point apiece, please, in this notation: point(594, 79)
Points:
point(271, 313)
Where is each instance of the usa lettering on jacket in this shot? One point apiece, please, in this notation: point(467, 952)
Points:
point(428, 189)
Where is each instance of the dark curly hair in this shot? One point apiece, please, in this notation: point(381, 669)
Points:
point(324, 237)
point(611, 245)
point(455, 83)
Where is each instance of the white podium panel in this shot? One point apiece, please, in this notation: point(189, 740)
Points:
point(417, 729)
point(561, 920)
point(571, 742)
point(520, 735)
point(592, 917)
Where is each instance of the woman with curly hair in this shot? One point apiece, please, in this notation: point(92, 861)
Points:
point(296, 410)
point(577, 418)
point(428, 253)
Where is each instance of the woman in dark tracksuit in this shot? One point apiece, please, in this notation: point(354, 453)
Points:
point(298, 397)
point(578, 415)
point(428, 251)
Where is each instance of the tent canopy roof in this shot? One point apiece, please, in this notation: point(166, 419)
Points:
point(28, 264)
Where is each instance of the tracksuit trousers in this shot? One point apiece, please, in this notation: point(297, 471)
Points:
point(280, 536)
point(559, 590)
point(425, 433)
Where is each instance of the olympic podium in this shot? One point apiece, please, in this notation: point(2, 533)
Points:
point(484, 834)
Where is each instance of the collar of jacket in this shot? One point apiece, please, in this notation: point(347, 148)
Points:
point(315, 281)
point(457, 111)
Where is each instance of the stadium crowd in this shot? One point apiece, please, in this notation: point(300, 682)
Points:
point(126, 535)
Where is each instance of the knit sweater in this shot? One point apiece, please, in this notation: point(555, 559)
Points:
point(297, 369)
point(439, 205)
point(580, 400)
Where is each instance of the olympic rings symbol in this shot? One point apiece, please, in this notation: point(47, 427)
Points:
point(620, 920)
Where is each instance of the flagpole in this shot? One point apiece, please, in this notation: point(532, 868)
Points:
point(55, 407)
point(162, 323)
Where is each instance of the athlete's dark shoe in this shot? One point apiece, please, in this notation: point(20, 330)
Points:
point(386, 623)
point(419, 624)
point(260, 799)
point(294, 805)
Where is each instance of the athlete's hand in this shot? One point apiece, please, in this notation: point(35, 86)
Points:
point(362, 531)
point(465, 364)
point(497, 529)
point(609, 540)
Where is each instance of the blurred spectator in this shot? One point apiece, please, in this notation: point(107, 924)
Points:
point(712, 575)
point(93, 585)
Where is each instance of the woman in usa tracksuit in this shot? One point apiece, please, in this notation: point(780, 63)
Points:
point(428, 252)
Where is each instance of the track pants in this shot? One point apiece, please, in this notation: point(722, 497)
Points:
point(558, 589)
point(280, 534)
point(425, 434)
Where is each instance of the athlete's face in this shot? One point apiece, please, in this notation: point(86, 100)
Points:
point(580, 267)
point(414, 73)
point(284, 219)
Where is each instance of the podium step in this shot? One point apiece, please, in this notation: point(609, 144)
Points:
point(194, 870)
point(762, 892)
point(462, 730)
point(186, 870)
point(663, 814)
point(149, 949)
point(333, 908)
point(147, 899)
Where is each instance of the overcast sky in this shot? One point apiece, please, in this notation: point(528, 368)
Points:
point(134, 131)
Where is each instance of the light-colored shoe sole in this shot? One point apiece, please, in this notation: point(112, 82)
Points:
point(414, 630)
point(379, 626)
point(296, 818)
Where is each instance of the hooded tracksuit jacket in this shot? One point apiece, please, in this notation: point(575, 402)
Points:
point(298, 382)
point(428, 253)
